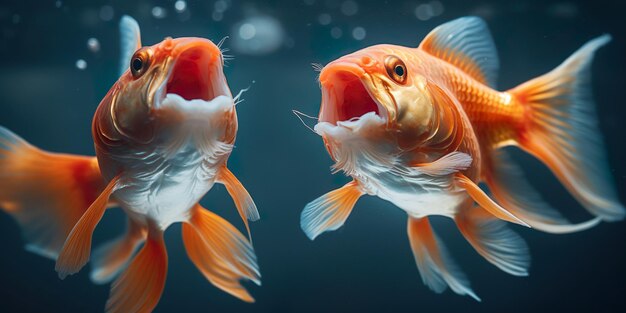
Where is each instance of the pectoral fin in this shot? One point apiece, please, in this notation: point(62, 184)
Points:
point(329, 211)
point(77, 248)
point(484, 201)
point(244, 203)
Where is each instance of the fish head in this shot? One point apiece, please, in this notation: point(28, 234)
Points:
point(391, 82)
point(175, 82)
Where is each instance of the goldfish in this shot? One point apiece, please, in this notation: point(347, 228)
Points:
point(423, 127)
point(162, 137)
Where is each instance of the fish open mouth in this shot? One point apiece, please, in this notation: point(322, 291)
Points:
point(196, 76)
point(345, 97)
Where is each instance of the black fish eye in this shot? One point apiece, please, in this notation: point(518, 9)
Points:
point(399, 70)
point(137, 64)
point(140, 62)
point(396, 69)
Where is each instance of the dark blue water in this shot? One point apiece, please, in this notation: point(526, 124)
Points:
point(367, 265)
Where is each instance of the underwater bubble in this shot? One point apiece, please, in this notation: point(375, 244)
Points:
point(424, 12)
point(359, 33)
point(106, 13)
point(324, 19)
point(93, 44)
point(336, 32)
point(261, 34)
point(217, 16)
point(220, 6)
point(81, 64)
point(349, 8)
point(58, 4)
point(563, 10)
point(159, 12)
point(180, 6)
point(437, 7)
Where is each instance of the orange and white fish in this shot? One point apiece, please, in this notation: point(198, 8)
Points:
point(162, 135)
point(422, 127)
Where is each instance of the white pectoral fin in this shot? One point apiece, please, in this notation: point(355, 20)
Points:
point(130, 41)
point(447, 164)
point(330, 211)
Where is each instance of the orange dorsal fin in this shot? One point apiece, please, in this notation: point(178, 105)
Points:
point(466, 44)
point(77, 248)
point(220, 252)
point(139, 287)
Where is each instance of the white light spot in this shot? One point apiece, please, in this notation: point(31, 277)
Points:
point(424, 12)
point(247, 31)
point(259, 34)
point(359, 33)
point(180, 6)
point(324, 19)
point(158, 12)
point(349, 8)
point(336, 32)
point(93, 44)
point(81, 64)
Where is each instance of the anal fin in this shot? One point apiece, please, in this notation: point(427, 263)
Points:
point(108, 260)
point(493, 240)
point(220, 252)
point(436, 267)
point(139, 287)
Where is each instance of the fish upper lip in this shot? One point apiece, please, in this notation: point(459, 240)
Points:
point(193, 72)
point(329, 75)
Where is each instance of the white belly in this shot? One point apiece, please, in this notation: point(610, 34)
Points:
point(164, 189)
point(418, 196)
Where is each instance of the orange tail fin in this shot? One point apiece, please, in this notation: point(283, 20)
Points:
point(46, 193)
point(562, 131)
point(139, 287)
point(220, 252)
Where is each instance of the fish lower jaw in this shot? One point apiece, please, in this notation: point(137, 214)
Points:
point(197, 109)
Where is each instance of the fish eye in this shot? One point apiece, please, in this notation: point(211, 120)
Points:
point(140, 62)
point(396, 69)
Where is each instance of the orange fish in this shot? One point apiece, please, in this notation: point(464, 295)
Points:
point(422, 127)
point(162, 135)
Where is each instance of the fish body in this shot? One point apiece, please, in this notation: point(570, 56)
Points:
point(422, 127)
point(162, 135)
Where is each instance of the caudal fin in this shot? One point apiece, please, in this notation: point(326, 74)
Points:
point(46, 193)
point(562, 131)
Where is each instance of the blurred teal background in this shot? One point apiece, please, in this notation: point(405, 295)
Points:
point(48, 97)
